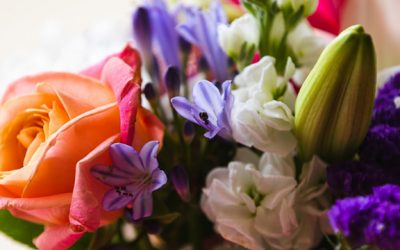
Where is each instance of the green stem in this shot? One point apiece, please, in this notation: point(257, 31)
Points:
point(195, 228)
point(178, 128)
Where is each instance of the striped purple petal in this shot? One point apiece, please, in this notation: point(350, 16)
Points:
point(206, 95)
point(116, 198)
point(165, 36)
point(200, 28)
point(143, 205)
point(125, 158)
point(185, 108)
point(109, 175)
point(148, 156)
point(159, 178)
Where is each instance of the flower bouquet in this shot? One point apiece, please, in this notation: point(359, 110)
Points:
point(224, 125)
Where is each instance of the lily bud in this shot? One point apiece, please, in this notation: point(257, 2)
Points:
point(334, 106)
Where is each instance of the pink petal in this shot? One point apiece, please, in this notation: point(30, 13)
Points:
point(128, 55)
point(86, 205)
point(125, 82)
point(44, 210)
point(58, 237)
point(327, 16)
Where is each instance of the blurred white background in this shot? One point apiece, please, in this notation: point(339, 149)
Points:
point(44, 35)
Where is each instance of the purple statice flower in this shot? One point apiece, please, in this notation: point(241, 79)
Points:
point(200, 29)
point(382, 146)
point(164, 35)
point(133, 176)
point(210, 109)
point(372, 220)
point(386, 110)
point(352, 178)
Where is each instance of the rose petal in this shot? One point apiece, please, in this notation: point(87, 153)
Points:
point(147, 128)
point(86, 205)
point(125, 82)
point(57, 237)
point(77, 137)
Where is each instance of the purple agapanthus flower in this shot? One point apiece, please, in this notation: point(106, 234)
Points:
point(164, 35)
point(210, 109)
point(133, 176)
point(373, 220)
point(200, 29)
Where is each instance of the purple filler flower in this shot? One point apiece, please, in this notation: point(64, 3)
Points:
point(372, 220)
point(133, 176)
point(210, 109)
point(200, 28)
point(382, 146)
point(386, 110)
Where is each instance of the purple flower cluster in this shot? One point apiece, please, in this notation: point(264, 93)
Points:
point(379, 162)
point(352, 178)
point(371, 220)
point(385, 110)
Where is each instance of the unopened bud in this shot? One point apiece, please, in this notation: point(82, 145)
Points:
point(172, 81)
point(184, 45)
point(189, 132)
point(142, 30)
point(150, 92)
point(180, 180)
point(334, 106)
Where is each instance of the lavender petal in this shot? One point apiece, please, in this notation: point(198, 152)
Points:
point(113, 200)
point(185, 108)
point(148, 156)
point(207, 96)
point(143, 205)
point(159, 178)
point(125, 158)
point(109, 175)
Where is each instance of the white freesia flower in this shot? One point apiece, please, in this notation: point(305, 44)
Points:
point(243, 30)
point(262, 207)
point(262, 110)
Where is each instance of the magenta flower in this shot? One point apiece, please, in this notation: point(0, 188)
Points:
point(133, 176)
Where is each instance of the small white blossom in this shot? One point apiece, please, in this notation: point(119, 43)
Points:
point(306, 44)
point(243, 30)
point(262, 111)
point(262, 206)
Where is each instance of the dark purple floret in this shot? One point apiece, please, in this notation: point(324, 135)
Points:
point(382, 146)
point(385, 111)
point(354, 178)
point(351, 217)
point(373, 220)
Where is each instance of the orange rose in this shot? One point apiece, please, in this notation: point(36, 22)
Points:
point(53, 128)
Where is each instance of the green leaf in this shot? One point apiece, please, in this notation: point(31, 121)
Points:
point(18, 229)
point(83, 242)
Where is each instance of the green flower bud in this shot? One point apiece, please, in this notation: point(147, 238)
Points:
point(334, 106)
